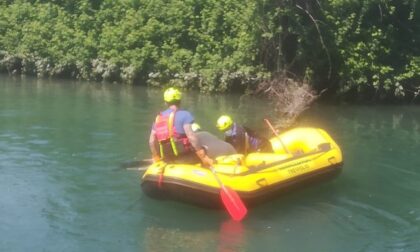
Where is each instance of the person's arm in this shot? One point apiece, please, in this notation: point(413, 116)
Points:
point(199, 150)
point(191, 136)
point(152, 146)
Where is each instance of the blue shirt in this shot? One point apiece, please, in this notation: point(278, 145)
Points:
point(236, 136)
point(182, 117)
point(233, 131)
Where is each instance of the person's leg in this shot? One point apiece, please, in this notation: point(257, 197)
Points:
point(214, 146)
point(266, 146)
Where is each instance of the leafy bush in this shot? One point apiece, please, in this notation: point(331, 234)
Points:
point(364, 50)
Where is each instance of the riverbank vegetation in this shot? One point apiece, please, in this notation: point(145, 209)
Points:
point(359, 50)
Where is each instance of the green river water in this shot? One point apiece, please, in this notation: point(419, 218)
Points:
point(61, 143)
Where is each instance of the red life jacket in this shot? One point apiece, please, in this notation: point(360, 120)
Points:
point(171, 143)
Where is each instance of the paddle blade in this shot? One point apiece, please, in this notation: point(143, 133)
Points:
point(233, 203)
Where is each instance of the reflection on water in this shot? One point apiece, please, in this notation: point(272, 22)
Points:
point(61, 141)
point(230, 237)
point(162, 239)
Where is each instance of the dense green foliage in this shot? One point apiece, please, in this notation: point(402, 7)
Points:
point(367, 49)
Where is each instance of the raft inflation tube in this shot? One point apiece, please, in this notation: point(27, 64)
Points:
point(310, 155)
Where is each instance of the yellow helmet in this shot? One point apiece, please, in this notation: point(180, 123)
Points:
point(172, 94)
point(224, 122)
point(195, 127)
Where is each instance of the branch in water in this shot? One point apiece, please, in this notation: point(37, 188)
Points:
point(289, 98)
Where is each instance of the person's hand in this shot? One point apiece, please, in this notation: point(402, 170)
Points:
point(156, 158)
point(206, 160)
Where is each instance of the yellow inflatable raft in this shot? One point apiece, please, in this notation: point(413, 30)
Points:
point(300, 155)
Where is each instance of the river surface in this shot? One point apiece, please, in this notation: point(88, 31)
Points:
point(61, 189)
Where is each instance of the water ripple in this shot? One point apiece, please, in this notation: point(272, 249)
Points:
point(370, 210)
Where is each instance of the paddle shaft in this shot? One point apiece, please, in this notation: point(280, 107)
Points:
point(143, 168)
point(136, 163)
point(277, 135)
point(217, 178)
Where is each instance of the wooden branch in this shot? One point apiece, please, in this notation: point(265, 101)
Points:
point(321, 39)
